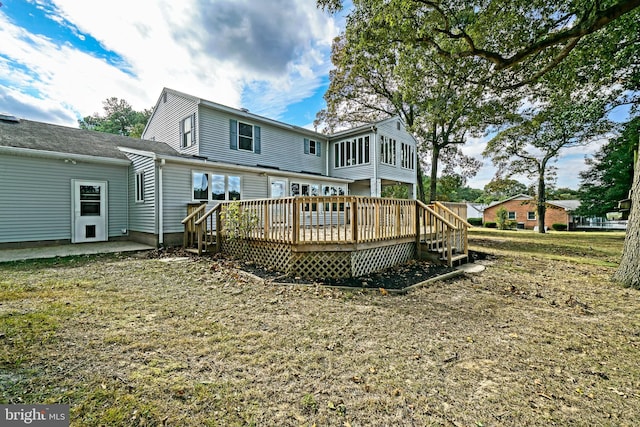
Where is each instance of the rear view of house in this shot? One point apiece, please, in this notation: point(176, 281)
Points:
point(61, 184)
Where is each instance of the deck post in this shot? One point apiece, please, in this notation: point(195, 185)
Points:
point(417, 231)
point(296, 220)
point(354, 219)
point(218, 230)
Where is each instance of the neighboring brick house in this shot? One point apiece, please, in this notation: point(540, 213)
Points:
point(522, 210)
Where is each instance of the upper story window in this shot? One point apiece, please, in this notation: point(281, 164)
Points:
point(531, 216)
point(244, 136)
point(187, 131)
point(511, 215)
point(408, 156)
point(387, 150)
point(351, 152)
point(311, 147)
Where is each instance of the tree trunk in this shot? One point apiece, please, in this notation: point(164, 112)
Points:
point(435, 153)
point(542, 202)
point(628, 272)
point(419, 176)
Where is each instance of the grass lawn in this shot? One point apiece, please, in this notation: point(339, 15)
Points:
point(541, 337)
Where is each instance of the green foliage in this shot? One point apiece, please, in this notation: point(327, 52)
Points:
point(502, 219)
point(238, 222)
point(610, 174)
point(562, 193)
point(477, 222)
point(559, 227)
point(452, 188)
point(503, 188)
point(396, 191)
point(491, 224)
point(309, 403)
point(118, 118)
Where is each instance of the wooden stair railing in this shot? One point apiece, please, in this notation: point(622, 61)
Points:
point(201, 229)
point(442, 231)
point(190, 230)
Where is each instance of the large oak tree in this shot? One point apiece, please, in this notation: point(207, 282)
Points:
point(520, 42)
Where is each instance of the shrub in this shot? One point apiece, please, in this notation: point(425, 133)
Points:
point(476, 222)
point(491, 224)
point(502, 219)
point(559, 227)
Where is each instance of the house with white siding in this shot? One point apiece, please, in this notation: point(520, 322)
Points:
point(92, 186)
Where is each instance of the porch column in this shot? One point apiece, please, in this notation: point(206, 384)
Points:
point(376, 187)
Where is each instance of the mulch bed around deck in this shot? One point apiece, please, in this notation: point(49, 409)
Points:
point(396, 278)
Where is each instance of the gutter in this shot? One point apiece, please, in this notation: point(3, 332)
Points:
point(251, 169)
point(29, 152)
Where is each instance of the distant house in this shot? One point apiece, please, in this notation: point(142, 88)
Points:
point(475, 210)
point(522, 210)
point(61, 185)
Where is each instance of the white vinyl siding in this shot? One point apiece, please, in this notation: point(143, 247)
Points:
point(279, 148)
point(48, 217)
point(164, 125)
point(142, 216)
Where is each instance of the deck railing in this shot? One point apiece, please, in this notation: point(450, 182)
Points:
point(328, 220)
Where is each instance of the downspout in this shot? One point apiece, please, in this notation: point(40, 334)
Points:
point(326, 160)
point(160, 205)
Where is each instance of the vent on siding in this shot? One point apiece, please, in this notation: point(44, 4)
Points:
point(9, 118)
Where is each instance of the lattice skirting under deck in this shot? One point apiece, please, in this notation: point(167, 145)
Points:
point(320, 264)
point(266, 254)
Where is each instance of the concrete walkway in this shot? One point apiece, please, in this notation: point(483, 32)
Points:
point(7, 255)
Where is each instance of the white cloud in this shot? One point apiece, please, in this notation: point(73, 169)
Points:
point(161, 44)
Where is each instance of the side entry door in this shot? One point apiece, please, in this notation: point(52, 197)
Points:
point(89, 211)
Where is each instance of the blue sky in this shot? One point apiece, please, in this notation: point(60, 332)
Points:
point(59, 59)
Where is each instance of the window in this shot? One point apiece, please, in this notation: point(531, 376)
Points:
point(311, 147)
point(139, 187)
point(233, 186)
point(245, 136)
point(351, 152)
point(278, 187)
point(222, 187)
point(187, 133)
point(511, 215)
point(387, 150)
point(408, 156)
point(200, 186)
point(217, 187)
point(531, 216)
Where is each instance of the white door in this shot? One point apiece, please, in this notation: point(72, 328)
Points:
point(89, 211)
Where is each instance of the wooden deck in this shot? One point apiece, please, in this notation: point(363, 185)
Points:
point(324, 226)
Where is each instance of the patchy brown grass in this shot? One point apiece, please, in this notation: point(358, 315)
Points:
point(536, 339)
